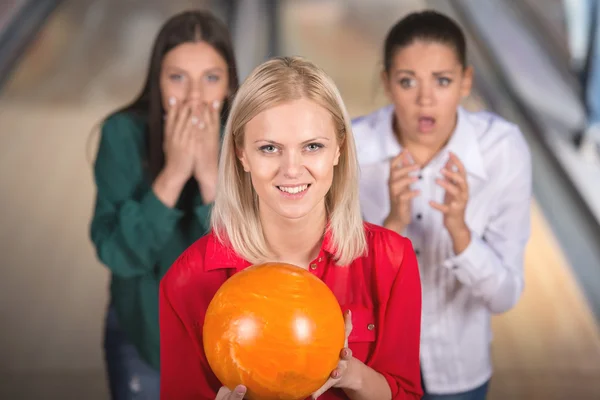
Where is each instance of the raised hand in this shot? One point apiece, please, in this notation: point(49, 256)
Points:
point(455, 202)
point(207, 147)
point(401, 194)
point(179, 141)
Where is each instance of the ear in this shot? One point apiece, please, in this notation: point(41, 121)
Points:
point(336, 159)
point(241, 155)
point(467, 82)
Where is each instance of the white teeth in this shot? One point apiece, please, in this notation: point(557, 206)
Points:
point(294, 189)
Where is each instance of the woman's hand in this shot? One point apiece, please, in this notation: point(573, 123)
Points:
point(179, 144)
point(401, 194)
point(178, 147)
point(339, 376)
point(207, 146)
point(455, 202)
point(237, 394)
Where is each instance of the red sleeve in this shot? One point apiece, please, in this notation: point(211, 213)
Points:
point(184, 371)
point(398, 351)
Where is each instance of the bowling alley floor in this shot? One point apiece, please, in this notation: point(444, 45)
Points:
point(91, 57)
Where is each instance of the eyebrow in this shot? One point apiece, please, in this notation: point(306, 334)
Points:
point(213, 69)
point(411, 72)
point(305, 142)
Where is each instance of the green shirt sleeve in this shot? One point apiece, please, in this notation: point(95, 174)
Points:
point(130, 224)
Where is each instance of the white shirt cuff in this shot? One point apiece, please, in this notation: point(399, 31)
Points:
point(470, 265)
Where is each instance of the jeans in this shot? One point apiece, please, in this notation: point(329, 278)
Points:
point(129, 377)
point(478, 393)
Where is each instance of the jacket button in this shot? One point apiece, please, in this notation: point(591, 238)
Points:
point(313, 266)
point(371, 327)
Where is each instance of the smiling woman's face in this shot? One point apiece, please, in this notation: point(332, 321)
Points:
point(290, 151)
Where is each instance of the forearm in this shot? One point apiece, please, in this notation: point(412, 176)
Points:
point(207, 182)
point(461, 238)
point(208, 192)
point(496, 280)
point(365, 383)
point(168, 186)
point(395, 226)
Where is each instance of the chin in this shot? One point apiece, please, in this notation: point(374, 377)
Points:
point(429, 138)
point(293, 213)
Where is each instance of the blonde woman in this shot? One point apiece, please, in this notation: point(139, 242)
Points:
point(288, 192)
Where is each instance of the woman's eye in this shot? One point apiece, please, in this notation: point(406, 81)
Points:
point(314, 146)
point(268, 148)
point(213, 78)
point(176, 77)
point(407, 82)
point(444, 81)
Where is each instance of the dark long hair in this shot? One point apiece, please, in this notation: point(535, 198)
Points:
point(189, 26)
point(429, 26)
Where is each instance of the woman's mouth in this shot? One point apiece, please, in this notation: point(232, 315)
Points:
point(426, 124)
point(295, 192)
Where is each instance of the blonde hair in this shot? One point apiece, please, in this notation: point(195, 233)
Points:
point(235, 219)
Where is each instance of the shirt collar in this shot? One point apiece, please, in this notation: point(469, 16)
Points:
point(383, 145)
point(220, 256)
point(463, 142)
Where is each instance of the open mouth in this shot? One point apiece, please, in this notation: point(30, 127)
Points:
point(294, 190)
point(426, 124)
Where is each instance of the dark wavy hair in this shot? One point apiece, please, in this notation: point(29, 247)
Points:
point(186, 27)
point(189, 26)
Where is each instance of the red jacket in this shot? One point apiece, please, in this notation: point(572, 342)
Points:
point(382, 289)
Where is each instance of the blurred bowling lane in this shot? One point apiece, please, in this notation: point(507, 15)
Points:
point(90, 58)
point(548, 347)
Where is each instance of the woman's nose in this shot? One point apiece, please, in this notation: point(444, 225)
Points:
point(292, 164)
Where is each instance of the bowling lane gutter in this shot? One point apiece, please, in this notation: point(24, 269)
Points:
point(572, 221)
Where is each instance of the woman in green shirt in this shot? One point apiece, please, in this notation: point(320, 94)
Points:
point(155, 172)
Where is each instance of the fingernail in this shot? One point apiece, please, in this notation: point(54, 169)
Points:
point(201, 125)
point(216, 104)
point(194, 120)
point(172, 101)
point(240, 389)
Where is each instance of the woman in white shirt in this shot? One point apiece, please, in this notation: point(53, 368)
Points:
point(458, 184)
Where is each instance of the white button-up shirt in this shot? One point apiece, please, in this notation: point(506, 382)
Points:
point(460, 292)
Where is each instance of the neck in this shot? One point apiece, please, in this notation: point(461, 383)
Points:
point(294, 241)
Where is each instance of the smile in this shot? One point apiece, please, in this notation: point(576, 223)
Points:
point(293, 189)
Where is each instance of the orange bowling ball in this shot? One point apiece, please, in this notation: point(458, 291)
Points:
point(275, 328)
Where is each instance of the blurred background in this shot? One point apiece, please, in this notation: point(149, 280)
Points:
point(65, 64)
